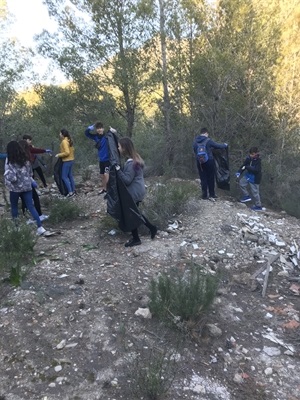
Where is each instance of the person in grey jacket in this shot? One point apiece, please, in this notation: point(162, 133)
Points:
point(133, 177)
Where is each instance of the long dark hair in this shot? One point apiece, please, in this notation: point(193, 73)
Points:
point(25, 146)
point(129, 151)
point(16, 154)
point(67, 135)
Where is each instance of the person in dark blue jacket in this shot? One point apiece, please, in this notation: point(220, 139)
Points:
point(96, 132)
point(207, 169)
point(252, 177)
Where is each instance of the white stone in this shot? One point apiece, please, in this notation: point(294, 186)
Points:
point(268, 371)
point(238, 378)
point(143, 312)
point(58, 368)
point(61, 344)
point(199, 389)
point(214, 330)
point(272, 351)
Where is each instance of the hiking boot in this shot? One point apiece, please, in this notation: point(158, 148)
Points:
point(256, 208)
point(245, 199)
point(133, 242)
point(40, 231)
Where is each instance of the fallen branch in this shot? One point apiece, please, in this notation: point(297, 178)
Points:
point(270, 261)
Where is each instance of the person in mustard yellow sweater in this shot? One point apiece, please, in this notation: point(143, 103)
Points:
point(67, 156)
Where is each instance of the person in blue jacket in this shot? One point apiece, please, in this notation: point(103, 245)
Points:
point(96, 133)
point(206, 169)
point(252, 178)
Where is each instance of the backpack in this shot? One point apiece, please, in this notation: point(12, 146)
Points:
point(202, 155)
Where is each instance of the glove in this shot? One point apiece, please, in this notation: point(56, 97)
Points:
point(91, 127)
point(48, 151)
point(117, 167)
point(226, 144)
point(113, 130)
point(237, 174)
point(34, 184)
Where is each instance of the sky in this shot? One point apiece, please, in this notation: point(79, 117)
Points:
point(29, 18)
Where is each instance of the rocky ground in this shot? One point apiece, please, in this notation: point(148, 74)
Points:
point(72, 331)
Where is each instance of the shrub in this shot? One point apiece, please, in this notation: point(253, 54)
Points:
point(182, 295)
point(166, 200)
point(16, 249)
point(152, 374)
point(62, 210)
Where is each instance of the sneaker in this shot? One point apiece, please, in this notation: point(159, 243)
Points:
point(133, 242)
point(70, 195)
point(30, 221)
point(245, 199)
point(40, 231)
point(256, 208)
point(43, 217)
point(213, 199)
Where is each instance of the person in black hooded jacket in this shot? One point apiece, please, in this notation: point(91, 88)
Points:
point(207, 169)
point(252, 178)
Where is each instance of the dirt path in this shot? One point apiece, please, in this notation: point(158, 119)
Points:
point(71, 331)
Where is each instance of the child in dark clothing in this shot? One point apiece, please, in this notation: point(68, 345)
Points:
point(252, 177)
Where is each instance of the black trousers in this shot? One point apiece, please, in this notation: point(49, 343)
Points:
point(40, 173)
point(207, 178)
point(147, 223)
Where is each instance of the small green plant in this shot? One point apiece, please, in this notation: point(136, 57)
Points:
point(16, 249)
point(152, 374)
point(62, 210)
point(86, 174)
point(164, 201)
point(182, 295)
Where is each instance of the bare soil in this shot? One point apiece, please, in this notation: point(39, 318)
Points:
point(70, 332)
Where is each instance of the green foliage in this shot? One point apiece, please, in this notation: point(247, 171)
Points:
point(62, 210)
point(16, 249)
point(152, 374)
point(166, 200)
point(182, 295)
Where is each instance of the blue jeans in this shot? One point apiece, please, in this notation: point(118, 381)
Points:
point(27, 199)
point(67, 176)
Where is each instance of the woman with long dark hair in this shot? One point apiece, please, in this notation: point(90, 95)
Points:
point(67, 156)
point(133, 177)
point(36, 200)
point(18, 180)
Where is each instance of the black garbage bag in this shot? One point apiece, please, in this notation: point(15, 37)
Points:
point(58, 177)
point(120, 204)
point(221, 159)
